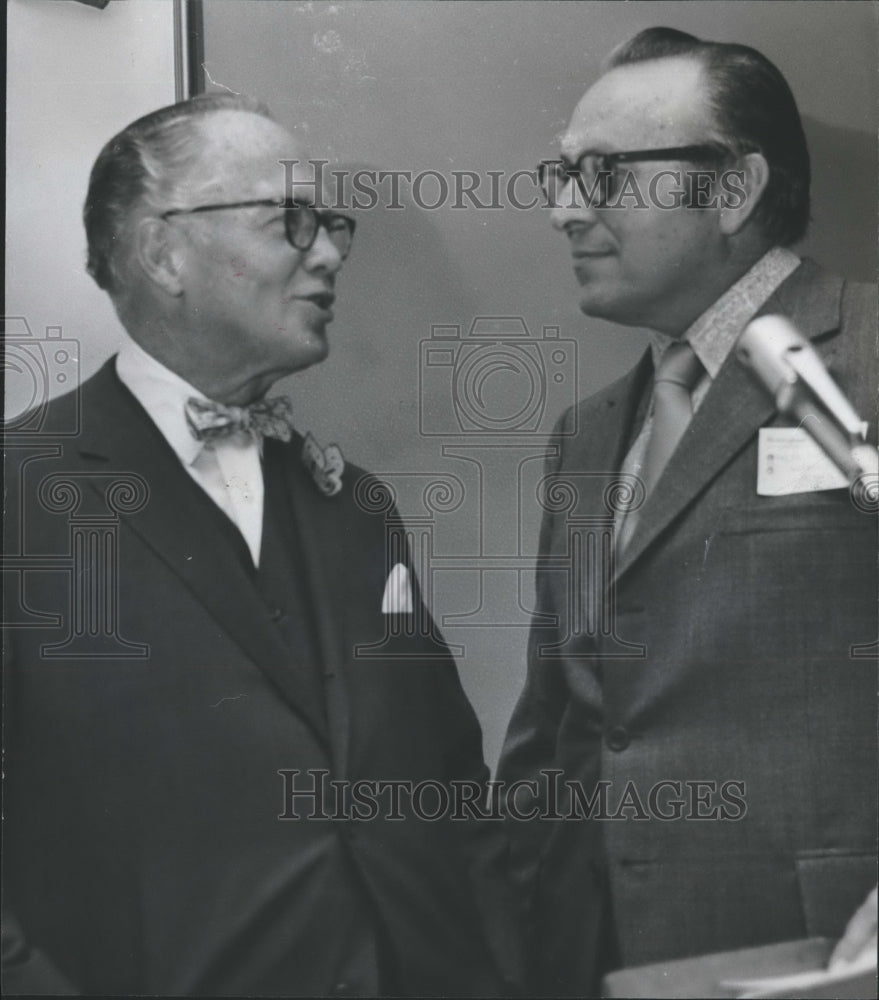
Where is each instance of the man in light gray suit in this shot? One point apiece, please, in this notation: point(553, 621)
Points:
point(729, 769)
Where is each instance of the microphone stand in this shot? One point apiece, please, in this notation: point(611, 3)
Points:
point(791, 370)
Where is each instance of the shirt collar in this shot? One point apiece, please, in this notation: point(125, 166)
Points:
point(713, 335)
point(163, 394)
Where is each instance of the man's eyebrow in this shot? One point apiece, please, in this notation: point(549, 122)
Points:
point(571, 151)
point(267, 211)
point(278, 204)
point(572, 160)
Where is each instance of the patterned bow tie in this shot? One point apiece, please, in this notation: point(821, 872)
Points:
point(209, 421)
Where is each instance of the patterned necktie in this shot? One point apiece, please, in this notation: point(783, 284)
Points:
point(210, 421)
point(677, 374)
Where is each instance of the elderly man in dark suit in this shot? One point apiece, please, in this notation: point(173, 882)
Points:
point(230, 633)
point(714, 725)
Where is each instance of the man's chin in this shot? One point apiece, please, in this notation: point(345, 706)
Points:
point(306, 354)
point(318, 347)
point(593, 305)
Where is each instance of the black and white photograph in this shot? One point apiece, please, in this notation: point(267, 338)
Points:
point(441, 490)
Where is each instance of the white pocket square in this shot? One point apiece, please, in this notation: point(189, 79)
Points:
point(397, 599)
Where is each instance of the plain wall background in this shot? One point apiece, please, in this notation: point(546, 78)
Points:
point(415, 86)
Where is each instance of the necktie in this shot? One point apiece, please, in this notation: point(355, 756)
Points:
point(677, 374)
point(672, 408)
point(209, 421)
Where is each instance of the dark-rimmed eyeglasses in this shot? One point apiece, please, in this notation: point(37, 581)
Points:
point(596, 176)
point(301, 222)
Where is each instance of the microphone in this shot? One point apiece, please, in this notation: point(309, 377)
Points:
point(795, 376)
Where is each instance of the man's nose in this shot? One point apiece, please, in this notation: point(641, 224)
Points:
point(571, 206)
point(323, 254)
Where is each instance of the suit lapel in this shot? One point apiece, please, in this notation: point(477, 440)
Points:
point(320, 538)
point(321, 535)
point(732, 412)
point(120, 437)
point(602, 442)
point(734, 409)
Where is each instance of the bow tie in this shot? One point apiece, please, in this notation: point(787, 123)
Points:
point(209, 421)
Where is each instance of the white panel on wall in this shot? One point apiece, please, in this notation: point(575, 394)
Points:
point(75, 76)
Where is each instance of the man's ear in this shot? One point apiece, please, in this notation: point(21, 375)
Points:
point(741, 190)
point(159, 255)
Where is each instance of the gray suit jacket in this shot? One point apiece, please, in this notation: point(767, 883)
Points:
point(721, 653)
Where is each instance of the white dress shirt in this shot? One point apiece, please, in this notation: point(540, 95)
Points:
point(229, 470)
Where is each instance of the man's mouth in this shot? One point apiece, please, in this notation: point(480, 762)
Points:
point(323, 300)
point(590, 254)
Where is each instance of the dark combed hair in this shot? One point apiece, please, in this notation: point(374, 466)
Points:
point(144, 164)
point(754, 111)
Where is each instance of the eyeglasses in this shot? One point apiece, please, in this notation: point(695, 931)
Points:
point(301, 222)
point(595, 174)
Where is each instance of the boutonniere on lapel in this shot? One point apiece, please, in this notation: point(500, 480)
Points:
point(326, 465)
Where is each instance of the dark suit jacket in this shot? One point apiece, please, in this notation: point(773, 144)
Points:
point(747, 608)
point(144, 853)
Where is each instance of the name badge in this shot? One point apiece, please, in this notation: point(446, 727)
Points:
point(789, 461)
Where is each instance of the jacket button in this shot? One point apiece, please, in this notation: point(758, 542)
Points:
point(277, 614)
point(618, 738)
point(341, 990)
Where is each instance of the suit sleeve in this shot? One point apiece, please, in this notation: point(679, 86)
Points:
point(483, 841)
point(28, 971)
point(854, 362)
point(530, 744)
